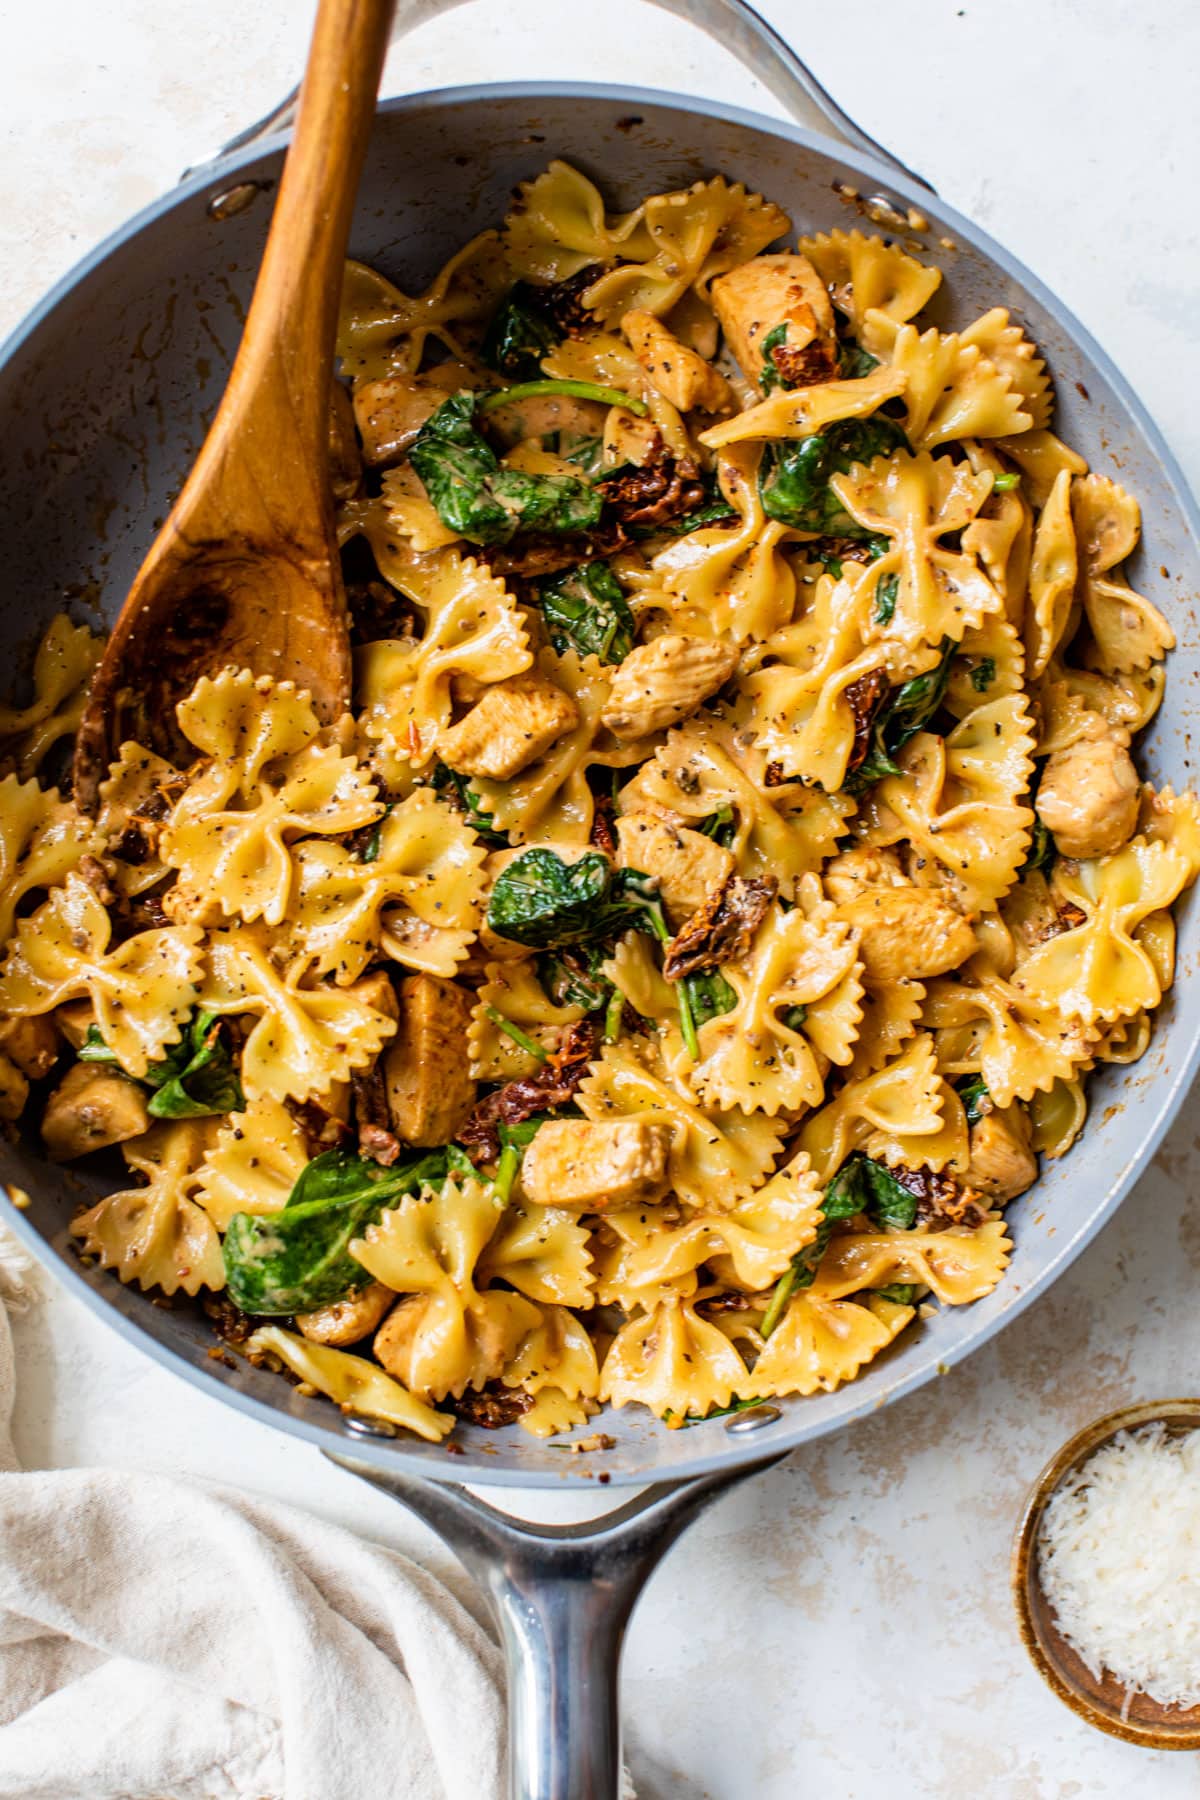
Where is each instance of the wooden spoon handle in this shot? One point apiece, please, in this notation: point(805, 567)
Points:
point(274, 416)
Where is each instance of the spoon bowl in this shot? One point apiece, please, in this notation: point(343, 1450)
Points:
point(1102, 1700)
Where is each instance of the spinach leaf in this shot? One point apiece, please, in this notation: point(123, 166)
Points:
point(458, 790)
point(907, 710)
point(585, 610)
point(855, 362)
point(586, 452)
point(483, 502)
point(1042, 849)
point(716, 511)
point(709, 995)
point(794, 1017)
point(544, 902)
point(520, 332)
point(903, 1293)
point(860, 1186)
point(983, 674)
point(196, 1079)
point(794, 479)
point(682, 1421)
point(574, 978)
point(720, 826)
point(887, 592)
point(973, 1091)
point(299, 1259)
point(374, 844)
point(769, 377)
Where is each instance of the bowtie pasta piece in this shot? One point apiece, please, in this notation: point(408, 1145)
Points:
point(140, 992)
point(156, 1235)
point(62, 670)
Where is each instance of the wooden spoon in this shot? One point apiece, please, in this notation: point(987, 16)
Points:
point(246, 569)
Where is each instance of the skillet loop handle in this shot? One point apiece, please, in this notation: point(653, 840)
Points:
point(732, 23)
point(561, 1596)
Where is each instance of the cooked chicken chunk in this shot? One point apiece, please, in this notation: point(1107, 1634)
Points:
point(687, 865)
point(769, 291)
point(660, 683)
point(680, 376)
point(72, 1019)
point(345, 458)
point(31, 1043)
point(588, 1167)
point(390, 412)
point(92, 1107)
point(429, 1085)
point(1088, 797)
point(14, 1089)
point(348, 1320)
point(1002, 1163)
point(847, 874)
point(376, 990)
point(509, 728)
point(908, 933)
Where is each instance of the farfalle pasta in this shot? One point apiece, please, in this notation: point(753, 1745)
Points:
point(734, 864)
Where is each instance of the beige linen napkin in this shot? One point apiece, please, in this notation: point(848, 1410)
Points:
point(164, 1640)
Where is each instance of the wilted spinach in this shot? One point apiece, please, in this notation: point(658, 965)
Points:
point(574, 977)
point(794, 479)
point(720, 826)
point(983, 674)
point(709, 995)
point(520, 332)
point(907, 710)
point(854, 362)
point(476, 497)
point(458, 790)
point(585, 610)
point(860, 1186)
point(299, 1259)
point(973, 1092)
point(769, 376)
point(196, 1079)
point(887, 592)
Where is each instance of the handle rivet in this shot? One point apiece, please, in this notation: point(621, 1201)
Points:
point(363, 1427)
point(753, 1420)
point(230, 201)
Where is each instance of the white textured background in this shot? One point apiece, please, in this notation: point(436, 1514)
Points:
point(842, 1626)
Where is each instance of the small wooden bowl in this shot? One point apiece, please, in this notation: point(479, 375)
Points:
point(1106, 1702)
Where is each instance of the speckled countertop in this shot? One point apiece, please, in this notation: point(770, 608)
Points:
point(841, 1626)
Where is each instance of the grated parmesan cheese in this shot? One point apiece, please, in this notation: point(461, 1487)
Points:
point(1119, 1559)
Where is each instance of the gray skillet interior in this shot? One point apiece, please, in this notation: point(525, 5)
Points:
point(105, 394)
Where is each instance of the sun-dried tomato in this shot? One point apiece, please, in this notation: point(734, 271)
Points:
point(722, 928)
point(865, 696)
point(554, 1084)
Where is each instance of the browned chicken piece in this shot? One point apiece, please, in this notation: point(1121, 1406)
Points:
point(1088, 797)
point(688, 866)
point(768, 291)
point(390, 412)
point(14, 1089)
point(348, 1320)
point(72, 1020)
point(429, 1085)
point(376, 990)
point(1002, 1163)
point(588, 1167)
point(846, 875)
point(660, 683)
point(514, 723)
point(345, 458)
point(907, 933)
point(680, 376)
point(32, 1044)
point(92, 1107)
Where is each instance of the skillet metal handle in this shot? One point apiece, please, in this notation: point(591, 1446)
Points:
point(561, 1596)
point(731, 23)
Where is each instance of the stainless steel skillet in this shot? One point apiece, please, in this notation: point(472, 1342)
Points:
point(105, 392)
